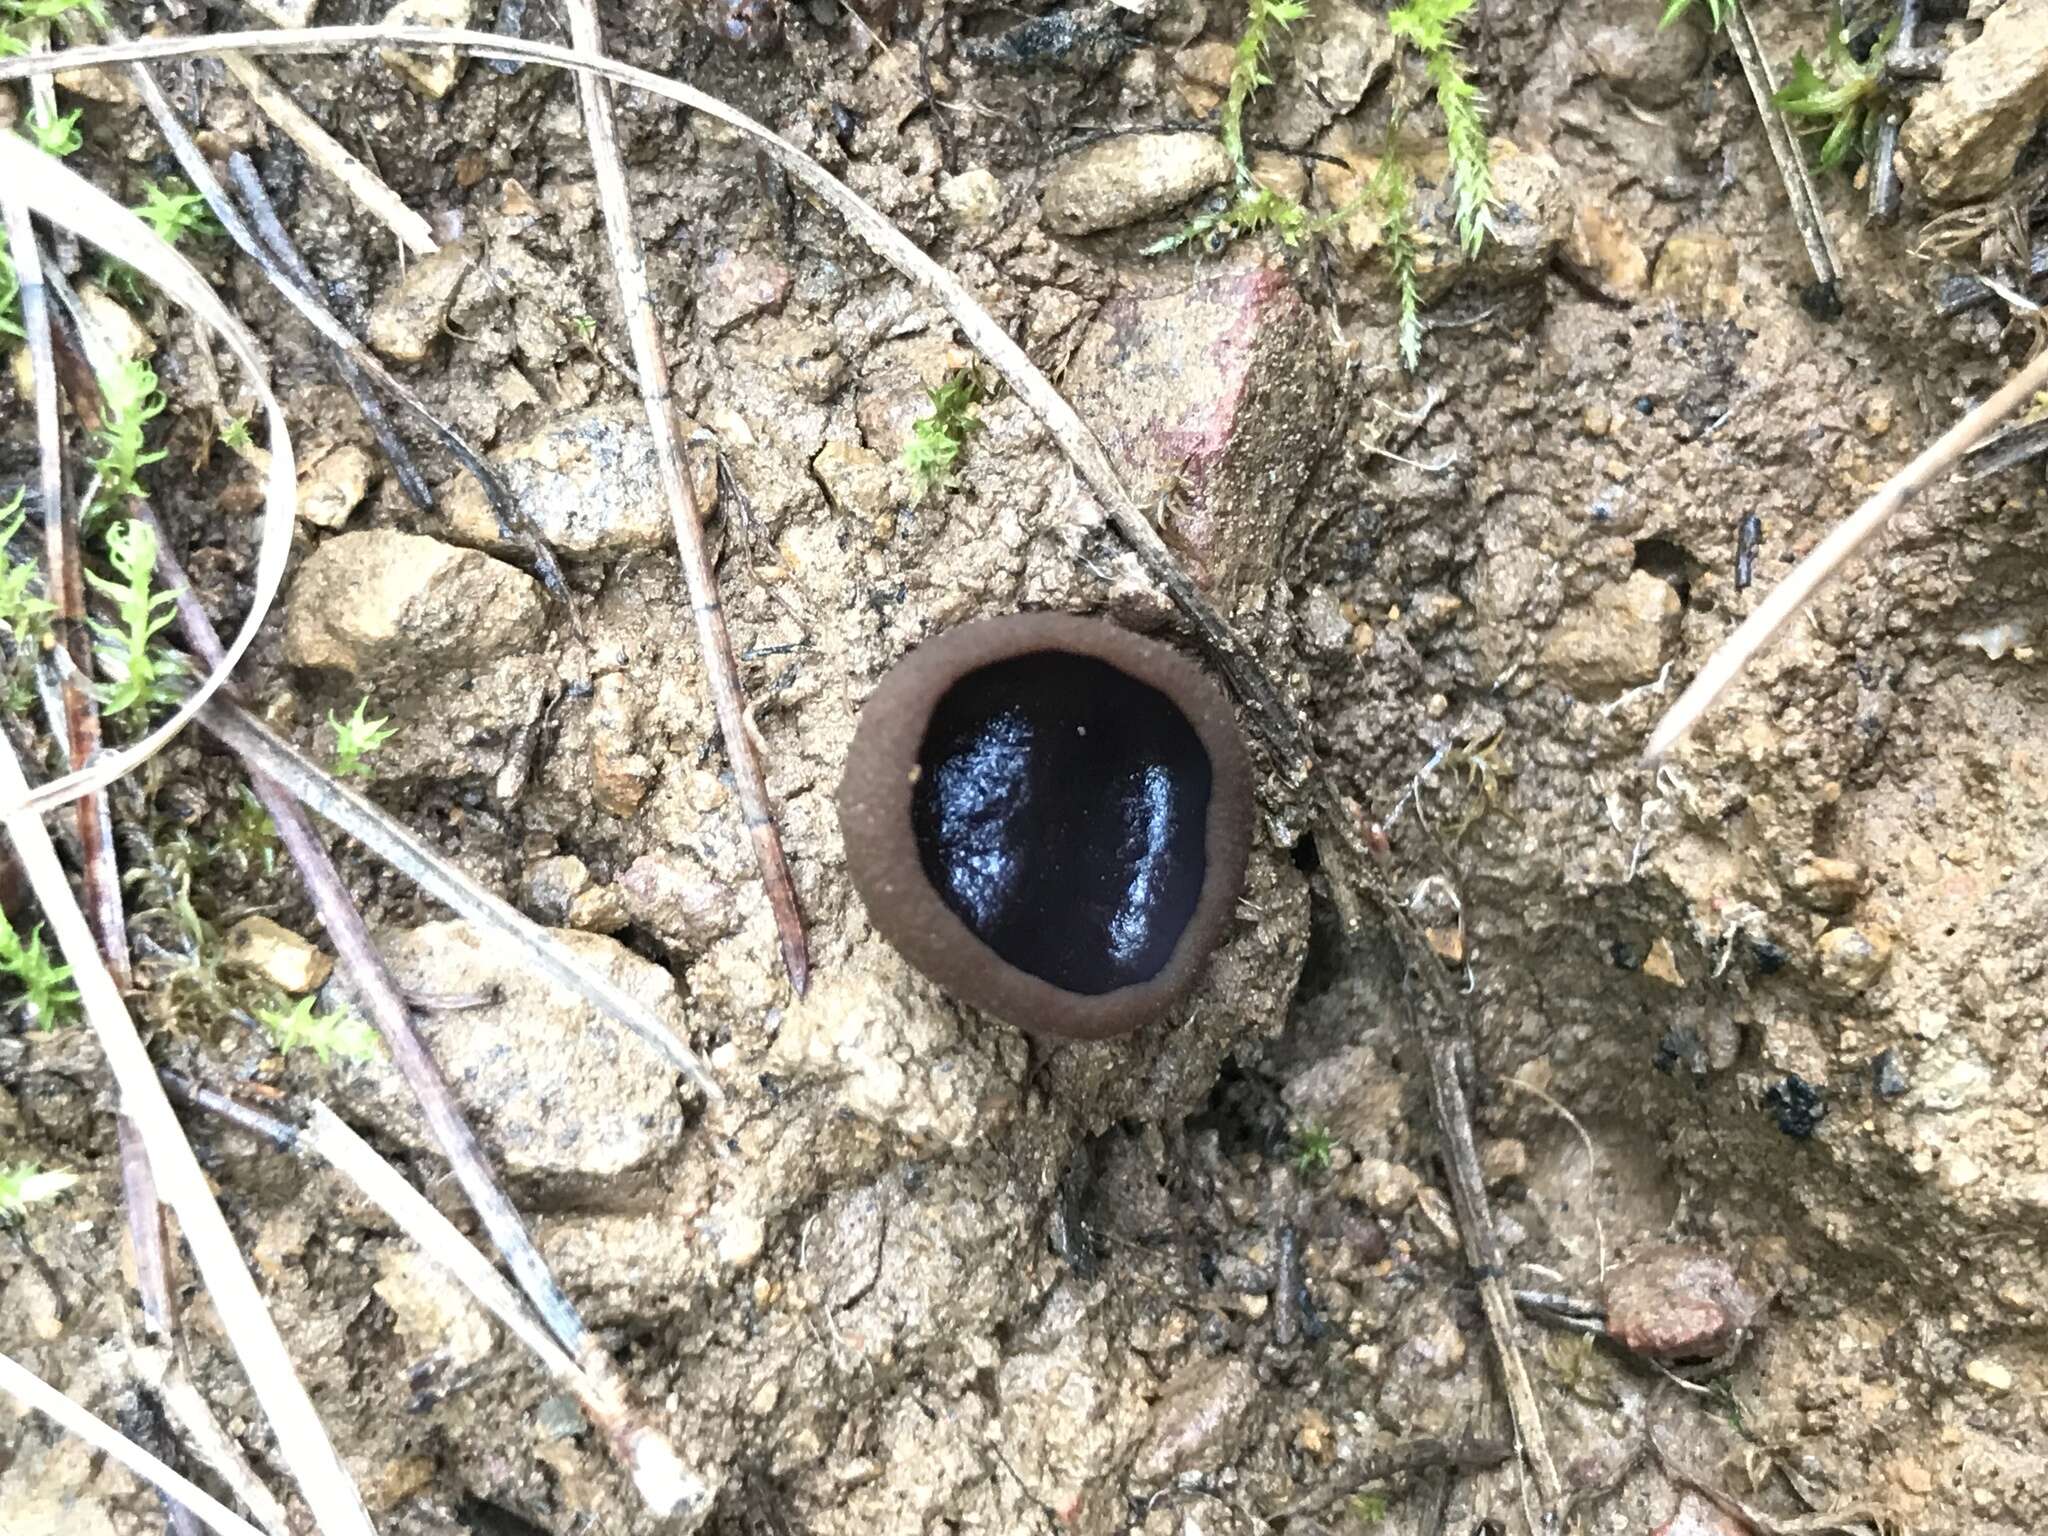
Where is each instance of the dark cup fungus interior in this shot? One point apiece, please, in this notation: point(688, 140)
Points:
point(1050, 816)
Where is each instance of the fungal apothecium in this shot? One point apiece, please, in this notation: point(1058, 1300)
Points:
point(1049, 816)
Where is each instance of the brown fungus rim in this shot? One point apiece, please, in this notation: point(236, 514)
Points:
point(881, 847)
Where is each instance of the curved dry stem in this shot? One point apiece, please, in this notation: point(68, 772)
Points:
point(1276, 719)
point(68, 201)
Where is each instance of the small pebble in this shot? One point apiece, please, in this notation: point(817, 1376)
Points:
point(278, 955)
point(1989, 1374)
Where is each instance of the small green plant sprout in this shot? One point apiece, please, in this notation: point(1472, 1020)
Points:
point(327, 1035)
point(1390, 192)
point(1263, 19)
point(937, 438)
point(132, 402)
point(248, 841)
point(1717, 13)
point(356, 738)
point(140, 674)
point(235, 434)
point(24, 611)
point(10, 285)
point(1368, 1509)
point(43, 988)
point(1432, 28)
point(1254, 208)
point(1313, 1146)
point(25, 1184)
point(1841, 97)
point(16, 12)
point(174, 211)
point(54, 133)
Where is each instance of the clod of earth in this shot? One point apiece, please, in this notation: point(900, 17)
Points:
point(1050, 816)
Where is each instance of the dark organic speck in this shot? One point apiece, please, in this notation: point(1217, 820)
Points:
point(1797, 1106)
point(1770, 957)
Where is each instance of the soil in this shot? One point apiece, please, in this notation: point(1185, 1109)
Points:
point(1781, 1001)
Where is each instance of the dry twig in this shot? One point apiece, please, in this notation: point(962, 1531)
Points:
point(391, 841)
point(319, 146)
point(1800, 190)
point(279, 243)
point(1489, 1272)
point(30, 1389)
point(669, 1487)
point(75, 723)
point(300, 1437)
point(714, 640)
point(1836, 550)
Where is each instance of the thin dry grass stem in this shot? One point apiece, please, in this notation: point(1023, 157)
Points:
point(1836, 550)
point(392, 842)
point(278, 242)
point(164, 1373)
point(1274, 717)
point(77, 730)
point(75, 723)
point(714, 640)
point(301, 1439)
point(385, 1001)
point(669, 1487)
point(32, 1391)
point(513, 520)
point(152, 1270)
point(1484, 1254)
point(319, 146)
point(62, 197)
point(1800, 191)
point(1592, 1162)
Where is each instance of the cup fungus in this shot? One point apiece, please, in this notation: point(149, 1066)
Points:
point(1049, 816)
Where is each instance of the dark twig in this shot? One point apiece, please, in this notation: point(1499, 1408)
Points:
point(2010, 449)
point(78, 731)
point(511, 20)
point(1483, 1253)
point(714, 640)
point(1884, 170)
point(270, 229)
point(1792, 168)
point(76, 724)
point(516, 524)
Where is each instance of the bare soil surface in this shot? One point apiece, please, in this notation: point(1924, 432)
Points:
point(923, 1274)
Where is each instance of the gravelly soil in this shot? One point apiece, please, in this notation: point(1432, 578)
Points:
point(923, 1275)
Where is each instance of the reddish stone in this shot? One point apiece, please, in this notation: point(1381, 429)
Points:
point(1214, 394)
point(1678, 1303)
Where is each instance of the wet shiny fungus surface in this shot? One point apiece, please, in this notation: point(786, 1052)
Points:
point(1059, 810)
point(1050, 816)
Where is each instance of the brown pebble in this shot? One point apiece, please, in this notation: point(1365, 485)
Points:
point(1678, 1303)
